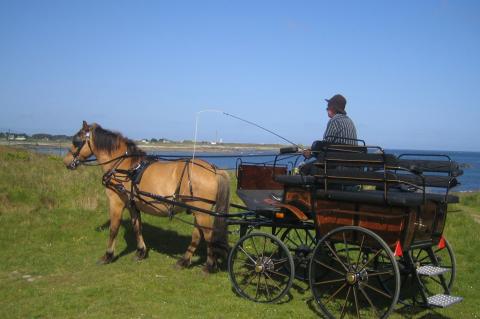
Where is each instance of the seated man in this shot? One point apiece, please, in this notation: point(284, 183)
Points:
point(340, 130)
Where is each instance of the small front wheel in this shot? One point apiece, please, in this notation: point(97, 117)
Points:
point(261, 267)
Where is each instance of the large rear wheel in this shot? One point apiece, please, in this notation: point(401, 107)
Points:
point(344, 270)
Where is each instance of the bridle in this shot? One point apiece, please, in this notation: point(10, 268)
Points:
point(79, 144)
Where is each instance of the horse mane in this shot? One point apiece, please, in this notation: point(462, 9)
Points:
point(109, 141)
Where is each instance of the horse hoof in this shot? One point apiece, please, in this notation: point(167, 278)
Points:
point(182, 264)
point(140, 255)
point(105, 259)
point(209, 269)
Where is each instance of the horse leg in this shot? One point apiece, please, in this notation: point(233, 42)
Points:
point(116, 206)
point(186, 260)
point(206, 224)
point(137, 227)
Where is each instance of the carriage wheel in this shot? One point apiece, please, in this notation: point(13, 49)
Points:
point(444, 257)
point(301, 243)
point(436, 284)
point(257, 267)
point(343, 274)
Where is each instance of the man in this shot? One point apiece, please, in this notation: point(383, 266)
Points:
point(340, 130)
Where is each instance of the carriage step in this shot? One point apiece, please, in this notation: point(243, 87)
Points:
point(430, 270)
point(443, 301)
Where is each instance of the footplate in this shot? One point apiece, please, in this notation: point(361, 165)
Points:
point(443, 301)
point(430, 270)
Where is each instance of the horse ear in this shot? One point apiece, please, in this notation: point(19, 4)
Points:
point(85, 126)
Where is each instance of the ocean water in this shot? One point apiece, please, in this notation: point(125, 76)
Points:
point(470, 161)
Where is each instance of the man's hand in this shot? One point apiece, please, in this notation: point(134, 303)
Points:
point(307, 153)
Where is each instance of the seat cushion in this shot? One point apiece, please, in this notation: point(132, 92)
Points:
point(395, 198)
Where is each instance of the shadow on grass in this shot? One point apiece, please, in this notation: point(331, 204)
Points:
point(165, 242)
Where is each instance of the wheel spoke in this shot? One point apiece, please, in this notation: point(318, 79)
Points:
point(266, 287)
point(246, 254)
point(418, 254)
point(327, 266)
point(258, 286)
point(360, 251)
point(279, 273)
point(311, 238)
point(274, 251)
point(336, 256)
point(369, 261)
point(264, 245)
point(335, 293)
point(355, 298)
point(342, 314)
point(245, 262)
point(346, 248)
point(420, 260)
point(298, 235)
point(369, 301)
point(294, 243)
point(273, 281)
point(377, 290)
point(254, 246)
point(329, 281)
point(379, 273)
point(251, 279)
point(436, 280)
point(280, 261)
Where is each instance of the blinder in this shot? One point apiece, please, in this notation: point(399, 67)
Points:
point(78, 143)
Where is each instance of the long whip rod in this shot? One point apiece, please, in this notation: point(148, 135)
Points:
point(261, 127)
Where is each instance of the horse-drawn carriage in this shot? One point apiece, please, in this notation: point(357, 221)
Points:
point(365, 230)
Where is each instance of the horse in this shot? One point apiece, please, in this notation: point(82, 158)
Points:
point(196, 182)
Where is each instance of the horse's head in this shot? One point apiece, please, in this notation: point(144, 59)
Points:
point(81, 147)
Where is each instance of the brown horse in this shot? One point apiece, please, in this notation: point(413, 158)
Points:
point(197, 183)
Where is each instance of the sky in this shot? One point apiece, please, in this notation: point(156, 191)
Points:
point(410, 70)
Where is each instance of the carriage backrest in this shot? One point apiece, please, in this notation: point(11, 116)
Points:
point(259, 176)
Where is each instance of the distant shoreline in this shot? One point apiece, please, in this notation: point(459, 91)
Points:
point(172, 147)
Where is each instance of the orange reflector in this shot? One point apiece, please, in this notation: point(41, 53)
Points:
point(398, 249)
point(441, 243)
point(279, 215)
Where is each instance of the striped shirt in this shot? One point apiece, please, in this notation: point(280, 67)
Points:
point(340, 130)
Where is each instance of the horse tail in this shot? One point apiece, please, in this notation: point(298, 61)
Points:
point(220, 231)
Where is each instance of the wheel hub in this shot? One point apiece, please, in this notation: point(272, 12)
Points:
point(263, 264)
point(353, 277)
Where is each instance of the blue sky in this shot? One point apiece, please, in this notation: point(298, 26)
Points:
point(410, 70)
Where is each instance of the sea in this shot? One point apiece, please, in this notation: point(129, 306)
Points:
point(469, 161)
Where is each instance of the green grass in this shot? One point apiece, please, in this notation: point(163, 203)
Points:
point(54, 227)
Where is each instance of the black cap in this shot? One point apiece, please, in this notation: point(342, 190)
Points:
point(337, 102)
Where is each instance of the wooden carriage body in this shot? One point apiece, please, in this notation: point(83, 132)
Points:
point(386, 194)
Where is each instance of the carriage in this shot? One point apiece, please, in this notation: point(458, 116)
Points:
point(365, 230)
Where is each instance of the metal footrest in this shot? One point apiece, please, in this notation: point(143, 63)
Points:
point(430, 270)
point(443, 301)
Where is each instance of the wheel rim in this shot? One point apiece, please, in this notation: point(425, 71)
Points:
point(347, 286)
point(301, 243)
point(257, 267)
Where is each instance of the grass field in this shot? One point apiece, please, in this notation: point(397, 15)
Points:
point(54, 227)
